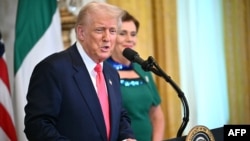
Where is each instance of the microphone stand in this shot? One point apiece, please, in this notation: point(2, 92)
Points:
point(151, 65)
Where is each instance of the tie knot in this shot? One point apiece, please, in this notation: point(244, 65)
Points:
point(98, 68)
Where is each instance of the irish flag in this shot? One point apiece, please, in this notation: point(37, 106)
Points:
point(38, 34)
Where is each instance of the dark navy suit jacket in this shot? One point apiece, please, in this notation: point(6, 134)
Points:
point(63, 104)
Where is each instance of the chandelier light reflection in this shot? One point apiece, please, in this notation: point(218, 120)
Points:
point(68, 10)
point(72, 5)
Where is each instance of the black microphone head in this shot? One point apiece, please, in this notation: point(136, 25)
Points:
point(130, 54)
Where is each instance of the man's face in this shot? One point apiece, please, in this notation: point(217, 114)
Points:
point(98, 37)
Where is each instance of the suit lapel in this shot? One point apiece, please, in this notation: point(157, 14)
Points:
point(87, 90)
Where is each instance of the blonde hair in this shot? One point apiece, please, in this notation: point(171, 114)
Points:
point(85, 15)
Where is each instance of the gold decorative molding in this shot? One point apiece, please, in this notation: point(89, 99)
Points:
point(68, 20)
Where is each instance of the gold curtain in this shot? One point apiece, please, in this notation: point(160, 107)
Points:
point(166, 53)
point(237, 51)
point(157, 37)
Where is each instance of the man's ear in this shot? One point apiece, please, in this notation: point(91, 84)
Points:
point(80, 32)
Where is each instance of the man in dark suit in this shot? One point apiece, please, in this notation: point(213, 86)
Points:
point(62, 99)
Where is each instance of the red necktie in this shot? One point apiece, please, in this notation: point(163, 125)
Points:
point(103, 96)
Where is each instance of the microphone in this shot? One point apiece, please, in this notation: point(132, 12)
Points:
point(132, 56)
point(147, 65)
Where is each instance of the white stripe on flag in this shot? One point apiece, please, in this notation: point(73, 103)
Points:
point(50, 42)
point(3, 136)
point(5, 99)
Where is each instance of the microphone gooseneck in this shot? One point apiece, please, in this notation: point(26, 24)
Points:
point(151, 65)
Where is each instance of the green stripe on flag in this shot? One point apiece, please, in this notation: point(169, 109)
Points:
point(33, 19)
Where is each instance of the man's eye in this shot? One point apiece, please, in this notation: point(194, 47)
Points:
point(98, 30)
point(112, 31)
